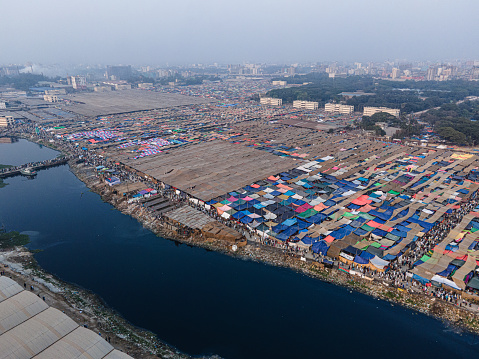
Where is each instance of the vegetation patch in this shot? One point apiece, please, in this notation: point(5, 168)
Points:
point(456, 123)
point(13, 239)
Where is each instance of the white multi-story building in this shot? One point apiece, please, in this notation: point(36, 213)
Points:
point(50, 98)
point(369, 111)
point(279, 83)
point(6, 121)
point(336, 107)
point(305, 105)
point(271, 101)
point(78, 82)
point(3, 105)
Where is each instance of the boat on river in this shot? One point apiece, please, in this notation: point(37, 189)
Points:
point(28, 172)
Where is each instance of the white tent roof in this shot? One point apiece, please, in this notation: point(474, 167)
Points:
point(29, 328)
point(18, 309)
point(8, 288)
point(87, 345)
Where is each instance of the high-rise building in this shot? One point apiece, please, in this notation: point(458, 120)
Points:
point(395, 73)
point(431, 74)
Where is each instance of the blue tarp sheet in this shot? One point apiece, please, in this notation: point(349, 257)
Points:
point(361, 260)
point(420, 279)
point(351, 250)
point(320, 247)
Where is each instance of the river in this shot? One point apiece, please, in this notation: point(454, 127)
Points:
point(200, 301)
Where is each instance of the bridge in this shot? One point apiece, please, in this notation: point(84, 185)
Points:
point(36, 166)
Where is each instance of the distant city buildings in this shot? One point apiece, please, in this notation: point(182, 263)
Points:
point(3, 105)
point(338, 108)
point(118, 72)
point(247, 69)
point(9, 71)
point(279, 83)
point(441, 73)
point(369, 111)
point(396, 73)
point(271, 101)
point(305, 105)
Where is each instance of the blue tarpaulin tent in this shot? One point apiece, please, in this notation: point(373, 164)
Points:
point(320, 247)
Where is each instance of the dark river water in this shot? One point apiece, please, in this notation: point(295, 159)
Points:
point(199, 301)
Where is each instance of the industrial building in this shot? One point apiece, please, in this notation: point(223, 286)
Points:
point(336, 107)
point(271, 101)
point(30, 328)
point(369, 111)
point(305, 105)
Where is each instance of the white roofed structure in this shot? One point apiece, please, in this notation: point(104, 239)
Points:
point(29, 328)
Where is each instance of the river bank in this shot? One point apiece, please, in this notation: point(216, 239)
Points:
point(451, 314)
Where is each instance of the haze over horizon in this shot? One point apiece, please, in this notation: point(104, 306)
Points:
point(188, 31)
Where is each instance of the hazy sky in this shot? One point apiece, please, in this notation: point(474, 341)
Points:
point(229, 31)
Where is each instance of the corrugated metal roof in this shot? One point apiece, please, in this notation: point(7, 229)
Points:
point(190, 217)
